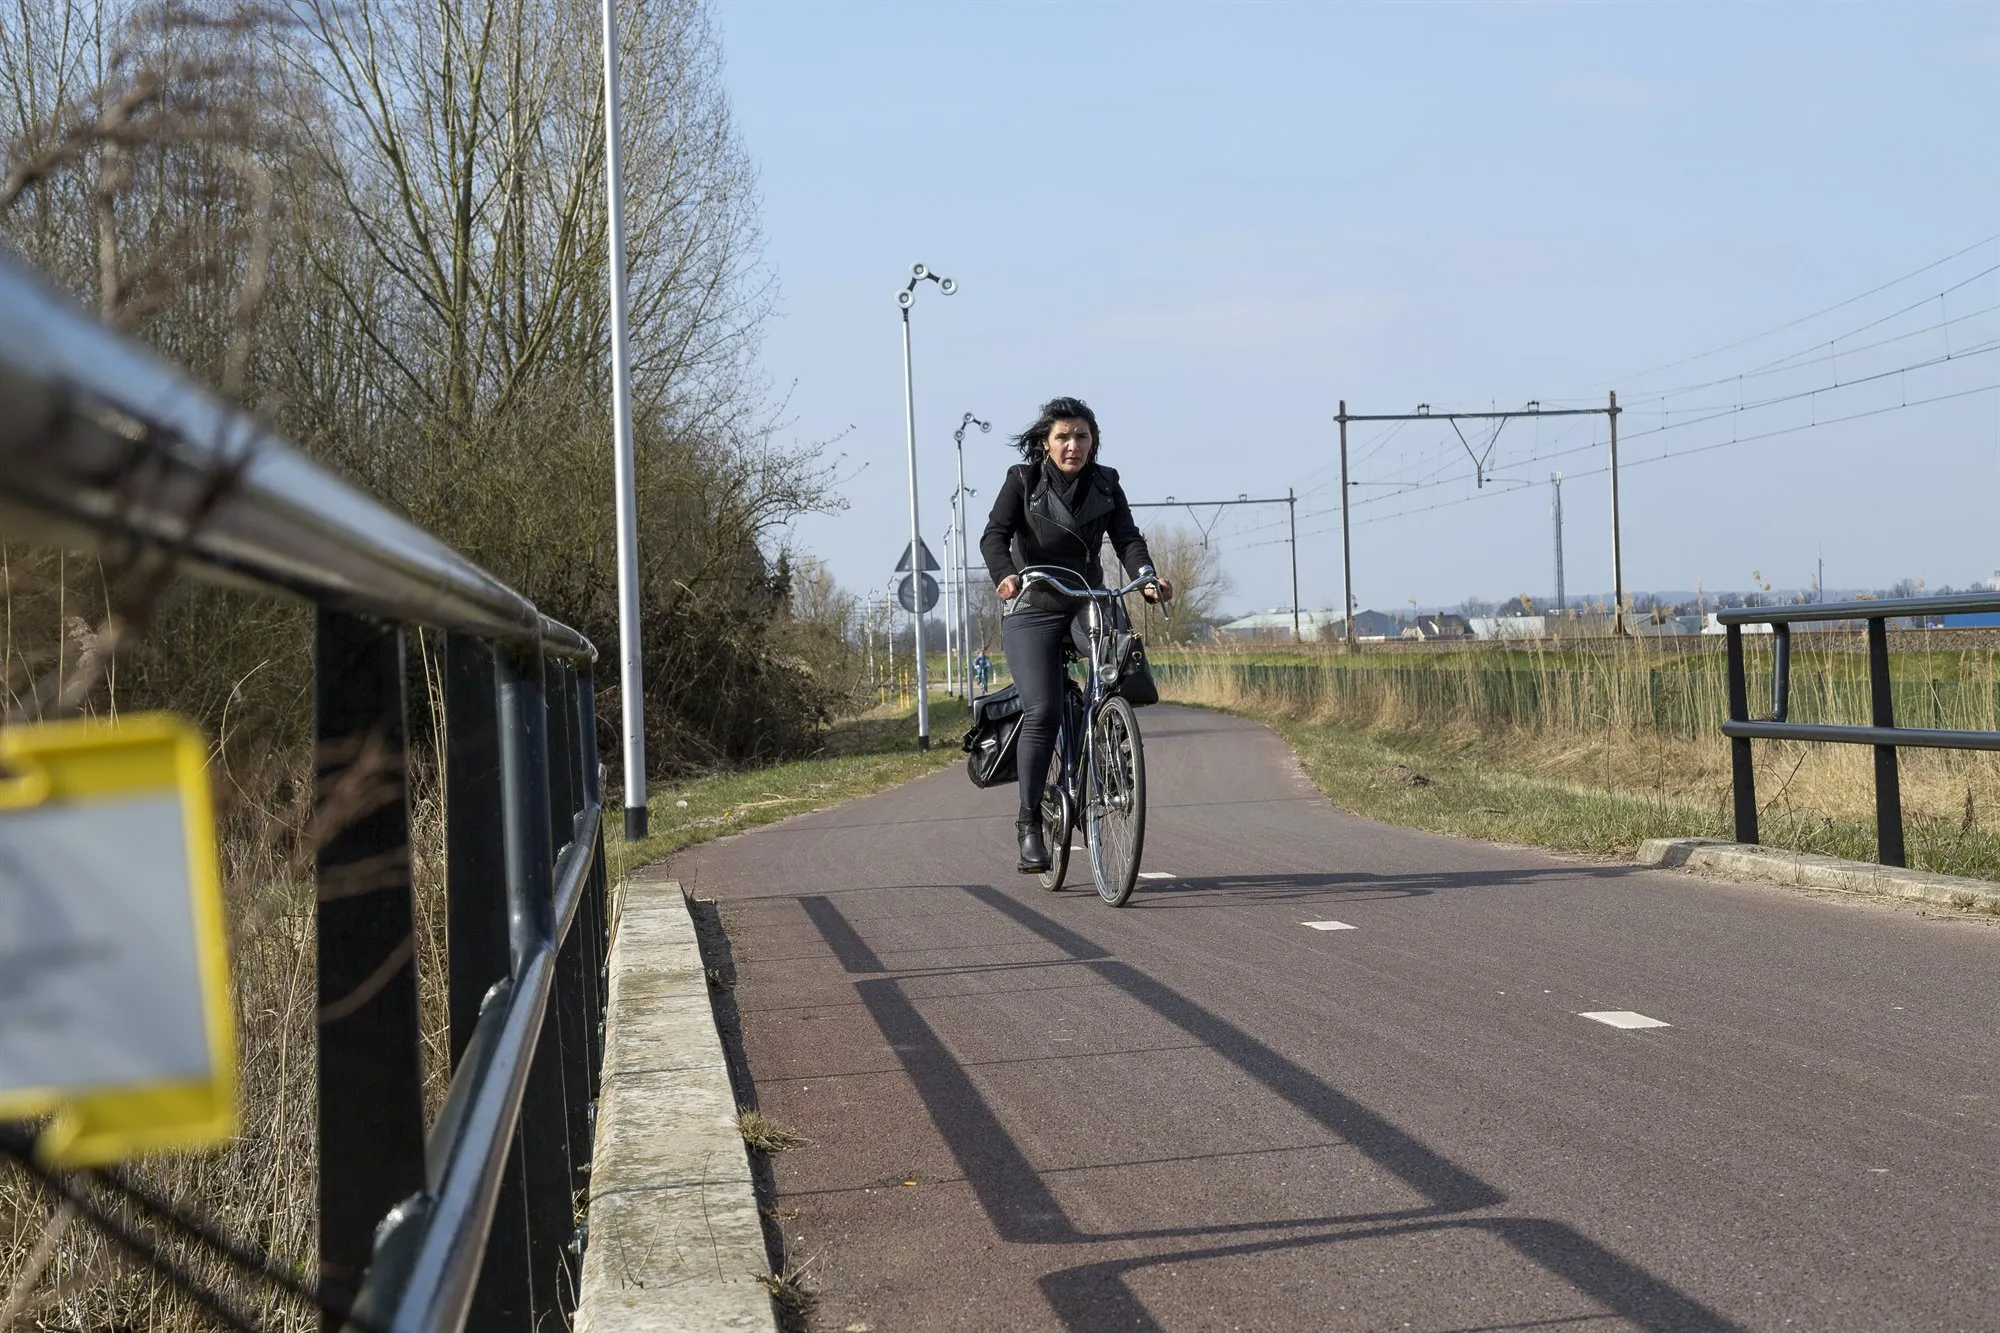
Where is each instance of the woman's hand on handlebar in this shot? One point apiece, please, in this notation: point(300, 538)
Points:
point(1158, 591)
point(1010, 588)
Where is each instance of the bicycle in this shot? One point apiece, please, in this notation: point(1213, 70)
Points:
point(1100, 764)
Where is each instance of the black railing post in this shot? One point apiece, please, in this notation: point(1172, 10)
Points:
point(1781, 671)
point(371, 1114)
point(1888, 784)
point(475, 842)
point(572, 981)
point(1743, 776)
point(597, 940)
point(541, 1138)
point(477, 942)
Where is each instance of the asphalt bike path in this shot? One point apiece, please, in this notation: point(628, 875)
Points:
point(1323, 1073)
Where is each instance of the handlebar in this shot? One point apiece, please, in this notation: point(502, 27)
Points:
point(1029, 576)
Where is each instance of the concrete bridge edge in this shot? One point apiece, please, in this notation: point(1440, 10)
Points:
point(674, 1241)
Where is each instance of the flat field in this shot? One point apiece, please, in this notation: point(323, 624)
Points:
point(1596, 745)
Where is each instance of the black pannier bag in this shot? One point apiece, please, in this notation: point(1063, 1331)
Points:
point(1134, 682)
point(989, 742)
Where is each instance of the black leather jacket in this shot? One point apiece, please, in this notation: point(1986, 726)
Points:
point(1030, 525)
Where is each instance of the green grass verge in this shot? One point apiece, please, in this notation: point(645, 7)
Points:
point(860, 757)
point(1460, 788)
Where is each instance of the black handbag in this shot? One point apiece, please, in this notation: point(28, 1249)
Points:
point(1134, 681)
point(990, 742)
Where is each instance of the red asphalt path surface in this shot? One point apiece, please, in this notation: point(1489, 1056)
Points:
point(1032, 1111)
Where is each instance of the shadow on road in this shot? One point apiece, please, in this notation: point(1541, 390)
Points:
point(1351, 887)
point(1023, 1210)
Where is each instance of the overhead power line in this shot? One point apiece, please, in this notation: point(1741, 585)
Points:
point(1642, 462)
point(1807, 319)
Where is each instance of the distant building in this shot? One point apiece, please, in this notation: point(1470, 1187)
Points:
point(1275, 626)
point(1669, 626)
point(1444, 625)
point(1374, 626)
point(1509, 627)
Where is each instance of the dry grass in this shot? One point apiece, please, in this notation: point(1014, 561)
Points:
point(765, 1135)
point(792, 1295)
point(261, 1189)
point(1596, 750)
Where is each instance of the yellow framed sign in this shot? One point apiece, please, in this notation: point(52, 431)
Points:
point(115, 1015)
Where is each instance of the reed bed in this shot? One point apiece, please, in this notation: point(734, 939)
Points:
point(1641, 719)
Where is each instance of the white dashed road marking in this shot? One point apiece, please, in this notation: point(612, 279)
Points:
point(1327, 925)
point(1624, 1018)
point(1156, 874)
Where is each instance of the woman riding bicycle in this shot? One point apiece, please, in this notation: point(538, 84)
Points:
point(1053, 511)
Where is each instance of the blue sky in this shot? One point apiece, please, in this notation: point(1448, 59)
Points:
point(1215, 222)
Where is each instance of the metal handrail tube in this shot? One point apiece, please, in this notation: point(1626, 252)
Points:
point(1889, 608)
point(573, 870)
point(1933, 738)
point(432, 1290)
point(101, 442)
point(1883, 734)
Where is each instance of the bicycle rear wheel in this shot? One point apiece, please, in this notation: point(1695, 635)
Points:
point(1115, 801)
point(1057, 820)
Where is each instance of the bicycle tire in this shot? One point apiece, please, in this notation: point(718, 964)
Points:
point(1056, 824)
point(1115, 801)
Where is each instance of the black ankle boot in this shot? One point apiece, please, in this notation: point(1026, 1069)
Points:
point(1034, 853)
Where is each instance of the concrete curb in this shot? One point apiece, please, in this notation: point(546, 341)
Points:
point(1806, 870)
point(675, 1241)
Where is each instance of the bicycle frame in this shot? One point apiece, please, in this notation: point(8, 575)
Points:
point(1071, 748)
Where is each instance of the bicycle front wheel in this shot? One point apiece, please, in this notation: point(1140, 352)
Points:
point(1115, 795)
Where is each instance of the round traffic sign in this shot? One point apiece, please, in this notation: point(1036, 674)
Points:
point(907, 596)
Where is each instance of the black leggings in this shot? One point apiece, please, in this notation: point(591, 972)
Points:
point(1033, 641)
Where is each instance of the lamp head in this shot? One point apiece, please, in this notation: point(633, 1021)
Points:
point(919, 272)
point(906, 298)
point(947, 285)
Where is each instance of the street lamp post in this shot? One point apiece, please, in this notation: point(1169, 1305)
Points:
point(631, 693)
point(953, 650)
point(965, 578)
point(907, 298)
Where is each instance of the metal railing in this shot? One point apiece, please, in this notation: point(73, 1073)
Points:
point(104, 446)
point(1882, 733)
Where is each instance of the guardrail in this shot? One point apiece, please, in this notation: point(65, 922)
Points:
point(104, 446)
point(1883, 733)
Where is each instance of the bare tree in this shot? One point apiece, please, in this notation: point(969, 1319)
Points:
point(1200, 582)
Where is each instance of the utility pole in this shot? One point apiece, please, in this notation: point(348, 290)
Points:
point(1617, 545)
point(1289, 498)
point(944, 600)
point(1292, 510)
point(1556, 482)
point(889, 635)
point(954, 646)
point(1533, 409)
point(964, 560)
point(868, 634)
point(1346, 546)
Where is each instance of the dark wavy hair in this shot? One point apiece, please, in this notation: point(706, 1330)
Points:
point(1034, 441)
